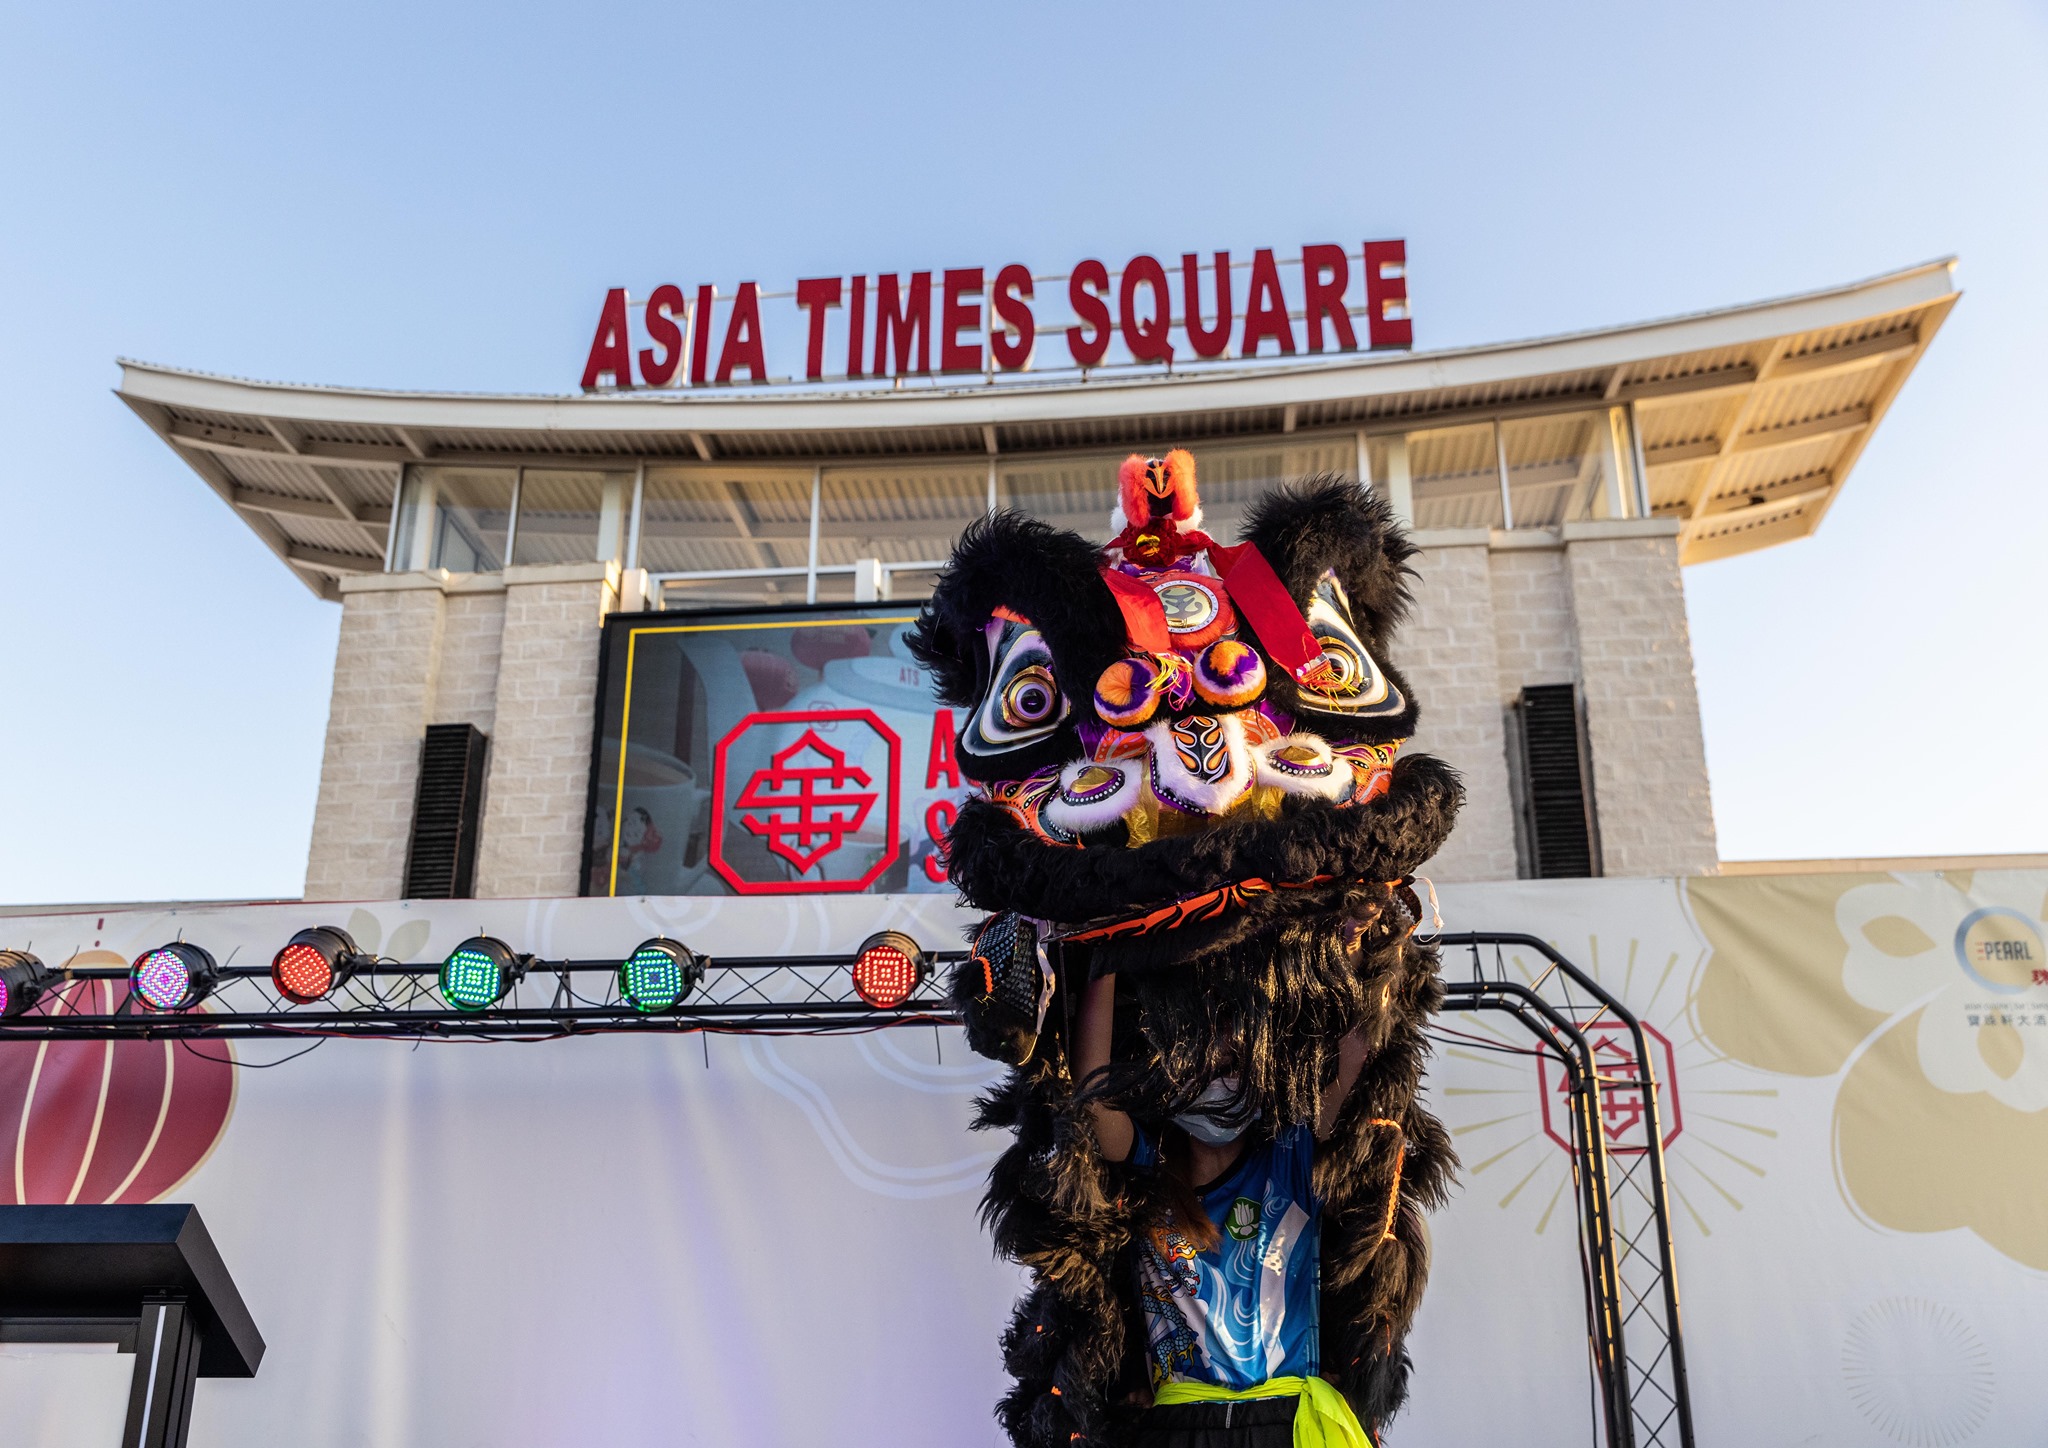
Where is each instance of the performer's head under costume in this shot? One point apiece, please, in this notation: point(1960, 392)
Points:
point(1190, 770)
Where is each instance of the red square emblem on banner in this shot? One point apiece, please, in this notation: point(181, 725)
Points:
point(806, 802)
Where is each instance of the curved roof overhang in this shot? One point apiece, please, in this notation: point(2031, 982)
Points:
point(1749, 417)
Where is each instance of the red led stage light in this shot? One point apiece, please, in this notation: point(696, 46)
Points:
point(889, 967)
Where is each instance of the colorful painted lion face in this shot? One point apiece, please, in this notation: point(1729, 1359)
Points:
point(1170, 715)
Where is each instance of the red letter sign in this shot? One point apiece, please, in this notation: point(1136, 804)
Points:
point(856, 325)
point(1383, 291)
point(955, 312)
point(939, 761)
point(661, 328)
point(609, 350)
point(1012, 345)
point(1090, 308)
point(1207, 341)
point(814, 296)
point(1265, 310)
point(1149, 342)
point(700, 335)
point(743, 337)
point(901, 322)
point(1326, 295)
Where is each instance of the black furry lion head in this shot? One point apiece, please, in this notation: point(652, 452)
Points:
point(1174, 723)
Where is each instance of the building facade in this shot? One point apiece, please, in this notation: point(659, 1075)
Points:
point(1557, 490)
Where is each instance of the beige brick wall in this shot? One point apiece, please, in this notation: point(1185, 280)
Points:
point(1535, 639)
point(1642, 706)
point(385, 671)
point(532, 837)
point(472, 628)
point(1449, 651)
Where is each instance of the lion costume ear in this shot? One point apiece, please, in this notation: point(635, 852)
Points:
point(1329, 527)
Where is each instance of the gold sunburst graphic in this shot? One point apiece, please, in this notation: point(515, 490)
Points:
point(1505, 1106)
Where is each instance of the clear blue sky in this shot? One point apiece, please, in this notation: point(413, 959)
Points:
point(437, 195)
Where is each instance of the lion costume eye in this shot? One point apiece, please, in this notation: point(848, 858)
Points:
point(1359, 686)
point(1023, 703)
point(1030, 698)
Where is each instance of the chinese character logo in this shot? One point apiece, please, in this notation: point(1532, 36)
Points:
point(805, 820)
point(1621, 1090)
point(802, 802)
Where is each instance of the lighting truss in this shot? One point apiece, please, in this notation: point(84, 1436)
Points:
point(1638, 1355)
point(811, 994)
point(1638, 1352)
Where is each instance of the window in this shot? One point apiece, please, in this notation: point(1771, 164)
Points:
point(571, 517)
point(454, 518)
point(1566, 467)
point(725, 520)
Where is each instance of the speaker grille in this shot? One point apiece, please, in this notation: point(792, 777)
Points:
point(441, 861)
point(1554, 783)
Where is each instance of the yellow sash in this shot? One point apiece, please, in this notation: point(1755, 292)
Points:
point(1322, 1419)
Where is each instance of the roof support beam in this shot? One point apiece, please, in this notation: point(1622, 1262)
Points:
point(231, 441)
point(1885, 347)
point(1690, 385)
point(289, 436)
point(249, 500)
point(1672, 454)
point(327, 560)
point(1854, 419)
point(1704, 488)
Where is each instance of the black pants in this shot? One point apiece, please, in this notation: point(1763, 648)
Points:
point(1259, 1423)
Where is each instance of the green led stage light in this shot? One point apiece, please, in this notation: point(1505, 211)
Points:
point(23, 979)
point(889, 967)
point(479, 972)
point(315, 964)
point(659, 975)
point(174, 977)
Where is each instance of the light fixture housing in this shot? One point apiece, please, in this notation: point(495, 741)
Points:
point(23, 980)
point(480, 972)
point(174, 977)
point(315, 963)
point(659, 975)
point(888, 969)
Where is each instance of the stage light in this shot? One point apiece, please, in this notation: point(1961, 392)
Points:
point(23, 979)
point(174, 977)
point(889, 967)
point(316, 963)
point(659, 975)
point(479, 972)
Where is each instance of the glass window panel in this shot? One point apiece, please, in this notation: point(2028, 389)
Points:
point(1563, 468)
point(1455, 476)
point(899, 514)
point(570, 517)
point(1230, 479)
point(706, 519)
point(454, 518)
point(1072, 492)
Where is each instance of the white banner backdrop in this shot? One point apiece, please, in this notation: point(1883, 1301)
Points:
point(774, 1240)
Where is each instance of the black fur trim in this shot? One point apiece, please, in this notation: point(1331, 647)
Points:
point(998, 866)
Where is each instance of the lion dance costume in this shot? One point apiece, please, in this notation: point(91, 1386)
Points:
point(1189, 773)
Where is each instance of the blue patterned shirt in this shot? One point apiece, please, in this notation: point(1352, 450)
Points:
point(1247, 1309)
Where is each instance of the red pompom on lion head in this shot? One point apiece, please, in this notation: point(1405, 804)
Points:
point(1152, 489)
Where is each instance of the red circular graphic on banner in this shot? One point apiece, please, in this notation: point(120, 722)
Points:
point(106, 1122)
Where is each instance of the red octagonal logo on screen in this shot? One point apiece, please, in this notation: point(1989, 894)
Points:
point(805, 802)
point(1622, 1115)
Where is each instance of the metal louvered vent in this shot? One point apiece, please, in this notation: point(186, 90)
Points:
point(1556, 800)
point(440, 864)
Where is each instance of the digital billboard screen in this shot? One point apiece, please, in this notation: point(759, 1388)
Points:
point(775, 751)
